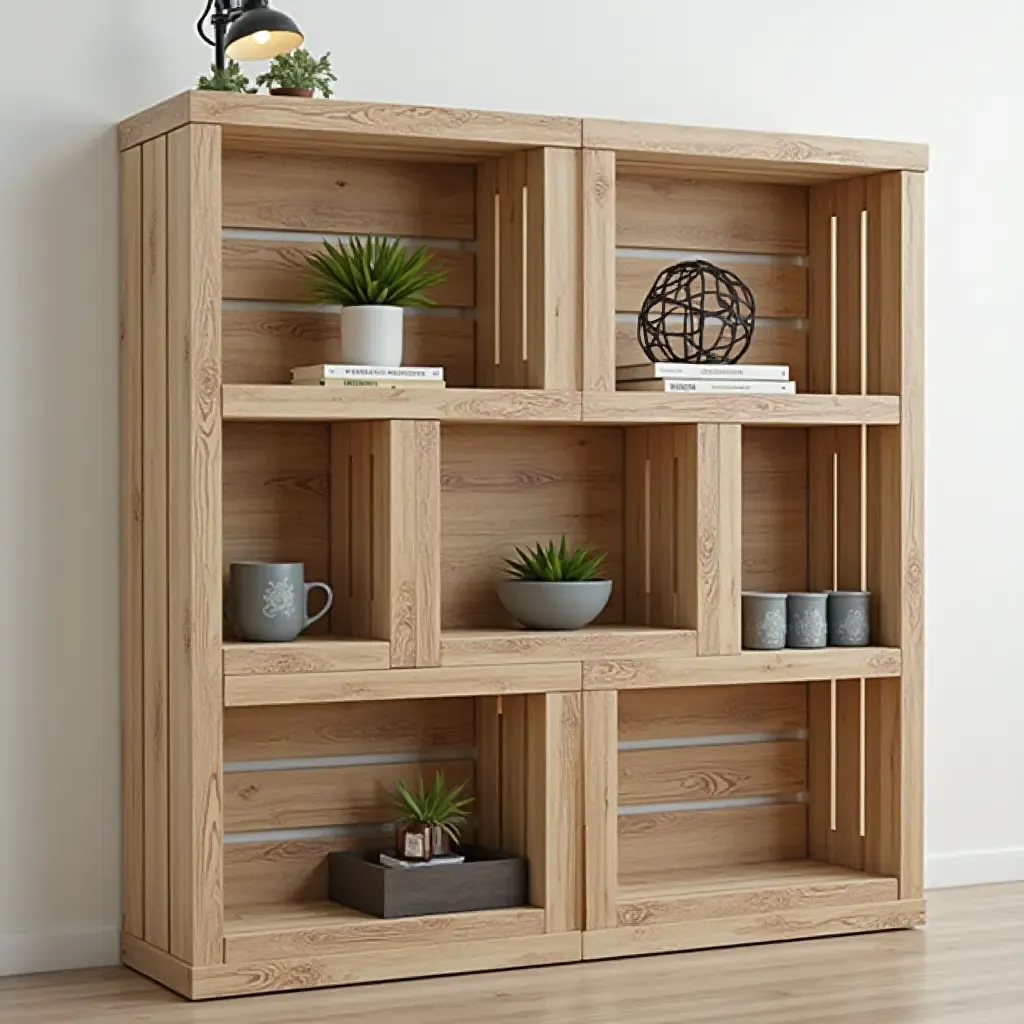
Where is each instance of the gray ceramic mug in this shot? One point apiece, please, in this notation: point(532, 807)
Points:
point(849, 618)
point(806, 622)
point(764, 621)
point(267, 601)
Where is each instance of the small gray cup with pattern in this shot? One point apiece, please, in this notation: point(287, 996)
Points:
point(764, 621)
point(849, 618)
point(807, 621)
point(267, 601)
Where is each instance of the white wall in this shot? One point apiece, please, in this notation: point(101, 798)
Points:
point(933, 70)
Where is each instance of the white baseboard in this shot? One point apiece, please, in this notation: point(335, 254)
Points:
point(976, 867)
point(66, 950)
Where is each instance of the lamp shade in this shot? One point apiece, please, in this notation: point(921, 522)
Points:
point(260, 33)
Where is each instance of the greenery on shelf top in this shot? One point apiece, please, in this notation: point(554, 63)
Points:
point(231, 79)
point(300, 70)
point(373, 271)
point(446, 808)
point(553, 564)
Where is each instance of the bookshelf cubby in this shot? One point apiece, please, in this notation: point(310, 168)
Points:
point(668, 789)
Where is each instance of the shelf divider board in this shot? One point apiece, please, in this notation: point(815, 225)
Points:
point(598, 263)
point(601, 806)
point(553, 807)
point(195, 536)
point(307, 654)
point(487, 262)
point(487, 734)
point(132, 575)
point(553, 270)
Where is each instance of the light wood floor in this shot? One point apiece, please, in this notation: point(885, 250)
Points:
point(967, 967)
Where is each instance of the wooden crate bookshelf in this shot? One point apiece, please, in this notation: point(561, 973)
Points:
point(669, 790)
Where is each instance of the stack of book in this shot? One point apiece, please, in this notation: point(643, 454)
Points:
point(341, 375)
point(706, 378)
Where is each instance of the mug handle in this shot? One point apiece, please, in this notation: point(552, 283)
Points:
point(323, 611)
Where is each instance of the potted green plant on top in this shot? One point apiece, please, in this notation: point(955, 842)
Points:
point(299, 73)
point(430, 819)
point(230, 79)
point(553, 587)
point(372, 279)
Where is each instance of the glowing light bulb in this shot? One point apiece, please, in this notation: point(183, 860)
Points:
point(262, 37)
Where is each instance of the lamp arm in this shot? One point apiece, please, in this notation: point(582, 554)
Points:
point(226, 12)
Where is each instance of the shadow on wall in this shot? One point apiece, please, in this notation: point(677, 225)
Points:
point(59, 693)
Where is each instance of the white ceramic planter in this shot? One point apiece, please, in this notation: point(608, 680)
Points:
point(371, 335)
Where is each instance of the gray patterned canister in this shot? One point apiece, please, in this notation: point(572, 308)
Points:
point(849, 618)
point(806, 620)
point(764, 621)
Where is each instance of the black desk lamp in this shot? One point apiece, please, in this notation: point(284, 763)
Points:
point(256, 32)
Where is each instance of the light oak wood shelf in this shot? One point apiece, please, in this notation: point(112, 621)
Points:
point(668, 789)
point(482, 405)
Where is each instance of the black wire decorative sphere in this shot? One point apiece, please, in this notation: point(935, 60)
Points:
point(696, 312)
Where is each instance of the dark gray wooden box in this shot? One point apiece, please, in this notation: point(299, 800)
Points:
point(487, 880)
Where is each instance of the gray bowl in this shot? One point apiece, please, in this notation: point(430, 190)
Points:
point(540, 605)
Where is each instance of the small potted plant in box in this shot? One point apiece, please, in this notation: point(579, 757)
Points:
point(299, 74)
point(372, 279)
point(230, 79)
point(430, 819)
point(553, 587)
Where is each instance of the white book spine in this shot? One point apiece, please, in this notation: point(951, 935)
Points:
point(731, 387)
point(703, 371)
point(330, 371)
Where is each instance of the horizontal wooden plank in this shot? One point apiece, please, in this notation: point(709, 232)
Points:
point(262, 345)
point(712, 711)
point(390, 727)
point(154, 963)
point(770, 344)
point(327, 194)
point(312, 797)
point(281, 975)
point(688, 840)
point(519, 646)
point(699, 148)
point(738, 890)
point(715, 772)
point(400, 684)
point(384, 124)
point(774, 926)
point(780, 289)
point(782, 410)
point(460, 405)
point(307, 654)
point(323, 929)
point(670, 212)
point(793, 666)
point(282, 871)
point(272, 270)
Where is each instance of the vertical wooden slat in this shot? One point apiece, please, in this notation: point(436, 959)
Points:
point(847, 847)
point(819, 769)
point(511, 370)
point(343, 574)
point(714, 519)
point(154, 535)
point(822, 207)
point(487, 711)
point(195, 533)
point(598, 194)
point(553, 807)
point(486, 274)
point(553, 275)
point(896, 513)
point(427, 477)
point(601, 780)
point(397, 504)
point(131, 541)
point(635, 513)
point(513, 774)
point(663, 527)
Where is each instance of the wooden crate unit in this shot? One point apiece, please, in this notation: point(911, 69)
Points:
point(668, 789)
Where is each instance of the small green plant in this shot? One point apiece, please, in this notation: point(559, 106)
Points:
point(553, 564)
point(446, 808)
point(300, 70)
point(372, 272)
point(231, 79)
